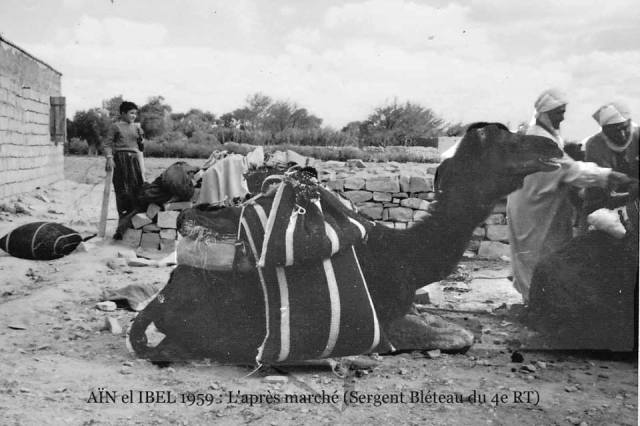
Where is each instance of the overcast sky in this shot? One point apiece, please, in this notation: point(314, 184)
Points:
point(468, 60)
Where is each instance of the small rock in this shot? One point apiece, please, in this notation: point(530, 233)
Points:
point(530, 368)
point(356, 163)
point(572, 388)
point(21, 208)
point(112, 325)
point(17, 326)
point(276, 379)
point(541, 364)
point(116, 264)
point(127, 254)
point(573, 420)
point(433, 354)
point(125, 371)
point(107, 306)
point(403, 371)
point(42, 198)
point(517, 357)
point(128, 364)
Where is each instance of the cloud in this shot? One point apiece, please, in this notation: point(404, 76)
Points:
point(342, 63)
point(112, 32)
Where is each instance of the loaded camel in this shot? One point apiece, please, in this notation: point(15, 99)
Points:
point(213, 317)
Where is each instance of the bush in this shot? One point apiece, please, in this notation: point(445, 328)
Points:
point(78, 146)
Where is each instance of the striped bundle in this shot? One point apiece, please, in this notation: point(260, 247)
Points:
point(40, 241)
point(317, 303)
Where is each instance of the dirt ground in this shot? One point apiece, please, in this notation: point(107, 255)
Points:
point(60, 365)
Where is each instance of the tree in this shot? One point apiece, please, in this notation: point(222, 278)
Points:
point(154, 117)
point(92, 126)
point(112, 105)
point(194, 120)
point(401, 124)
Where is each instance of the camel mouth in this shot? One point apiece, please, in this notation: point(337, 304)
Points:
point(548, 164)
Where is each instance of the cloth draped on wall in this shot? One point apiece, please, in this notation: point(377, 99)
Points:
point(540, 214)
point(224, 180)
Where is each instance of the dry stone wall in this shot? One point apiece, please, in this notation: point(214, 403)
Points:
point(28, 156)
point(397, 197)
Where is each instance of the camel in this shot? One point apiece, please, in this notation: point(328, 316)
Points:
point(212, 315)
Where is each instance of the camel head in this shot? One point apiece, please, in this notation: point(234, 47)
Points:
point(495, 161)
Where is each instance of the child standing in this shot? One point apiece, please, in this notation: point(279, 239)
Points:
point(123, 149)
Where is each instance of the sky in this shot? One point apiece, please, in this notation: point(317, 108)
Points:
point(468, 60)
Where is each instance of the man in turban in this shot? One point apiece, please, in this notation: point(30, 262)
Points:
point(616, 147)
point(540, 214)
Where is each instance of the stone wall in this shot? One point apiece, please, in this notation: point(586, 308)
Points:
point(28, 156)
point(397, 199)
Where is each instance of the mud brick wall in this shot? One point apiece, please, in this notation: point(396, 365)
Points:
point(398, 200)
point(28, 156)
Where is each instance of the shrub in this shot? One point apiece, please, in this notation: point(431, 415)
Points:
point(78, 146)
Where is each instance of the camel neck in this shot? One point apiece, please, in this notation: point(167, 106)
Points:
point(445, 234)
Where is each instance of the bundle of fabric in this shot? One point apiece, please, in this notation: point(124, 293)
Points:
point(40, 241)
point(224, 180)
point(317, 301)
point(318, 306)
point(175, 183)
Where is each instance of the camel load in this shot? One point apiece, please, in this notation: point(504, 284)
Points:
point(272, 311)
point(585, 295)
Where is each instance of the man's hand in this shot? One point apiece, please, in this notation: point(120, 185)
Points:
point(109, 164)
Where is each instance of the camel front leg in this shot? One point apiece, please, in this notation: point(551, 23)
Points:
point(415, 332)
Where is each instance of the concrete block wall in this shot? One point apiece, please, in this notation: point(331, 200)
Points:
point(400, 200)
point(28, 156)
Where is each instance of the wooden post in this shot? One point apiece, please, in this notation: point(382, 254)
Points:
point(102, 226)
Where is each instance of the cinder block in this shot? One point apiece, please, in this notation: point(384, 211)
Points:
point(168, 234)
point(178, 205)
point(132, 237)
point(168, 219)
point(150, 241)
point(152, 227)
point(140, 220)
point(153, 210)
point(167, 244)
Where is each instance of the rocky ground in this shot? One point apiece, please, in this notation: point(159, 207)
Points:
point(62, 366)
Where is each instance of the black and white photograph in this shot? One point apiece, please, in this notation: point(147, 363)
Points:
point(349, 212)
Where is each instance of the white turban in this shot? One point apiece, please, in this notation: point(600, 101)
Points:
point(612, 113)
point(550, 99)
